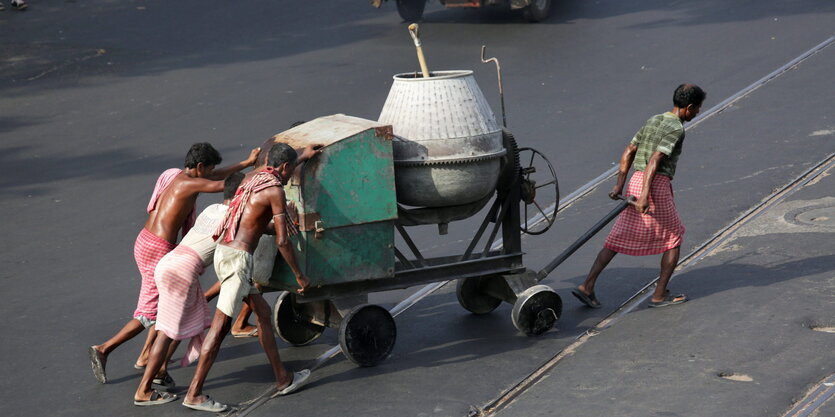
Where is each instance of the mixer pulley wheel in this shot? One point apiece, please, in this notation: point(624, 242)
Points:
point(539, 185)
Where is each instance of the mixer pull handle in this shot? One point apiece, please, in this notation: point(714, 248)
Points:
point(630, 199)
point(624, 202)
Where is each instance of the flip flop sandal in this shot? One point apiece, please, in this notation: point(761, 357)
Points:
point(156, 399)
point(299, 379)
point(588, 300)
point(98, 362)
point(165, 381)
point(670, 300)
point(253, 333)
point(209, 405)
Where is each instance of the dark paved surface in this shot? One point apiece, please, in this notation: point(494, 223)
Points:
point(96, 98)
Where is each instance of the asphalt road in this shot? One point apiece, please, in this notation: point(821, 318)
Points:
point(98, 97)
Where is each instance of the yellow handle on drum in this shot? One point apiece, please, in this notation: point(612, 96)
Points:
point(413, 30)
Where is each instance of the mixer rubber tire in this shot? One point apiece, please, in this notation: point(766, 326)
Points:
point(290, 323)
point(367, 334)
point(472, 297)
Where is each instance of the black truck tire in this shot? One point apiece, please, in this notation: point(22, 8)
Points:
point(411, 10)
point(537, 11)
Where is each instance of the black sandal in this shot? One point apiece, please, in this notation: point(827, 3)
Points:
point(669, 300)
point(589, 300)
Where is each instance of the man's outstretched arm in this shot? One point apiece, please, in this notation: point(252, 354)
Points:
point(285, 246)
point(222, 173)
point(309, 152)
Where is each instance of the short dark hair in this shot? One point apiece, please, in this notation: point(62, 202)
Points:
point(231, 184)
point(204, 153)
point(298, 123)
point(687, 94)
point(281, 153)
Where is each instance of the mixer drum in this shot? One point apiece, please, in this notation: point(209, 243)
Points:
point(447, 144)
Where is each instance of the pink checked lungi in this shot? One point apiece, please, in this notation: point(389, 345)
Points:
point(657, 231)
point(183, 311)
point(148, 250)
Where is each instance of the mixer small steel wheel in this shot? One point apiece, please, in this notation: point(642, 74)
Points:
point(536, 310)
point(472, 297)
point(539, 183)
point(367, 334)
point(290, 323)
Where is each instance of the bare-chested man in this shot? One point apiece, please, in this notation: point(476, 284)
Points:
point(266, 250)
point(171, 209)
point(260, 200)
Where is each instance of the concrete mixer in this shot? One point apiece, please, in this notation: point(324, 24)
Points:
point(436, 155)
point(373, 180)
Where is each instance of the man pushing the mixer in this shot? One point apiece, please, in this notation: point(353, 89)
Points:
point(259, 200)
point(653, 226)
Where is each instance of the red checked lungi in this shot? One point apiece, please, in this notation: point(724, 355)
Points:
point(183, 311)
point(148, 251)
point(657, 231)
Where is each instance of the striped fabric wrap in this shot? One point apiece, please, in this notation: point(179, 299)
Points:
point(148, 251)
point(657, 231)
point(183, 311)
point(260, 181)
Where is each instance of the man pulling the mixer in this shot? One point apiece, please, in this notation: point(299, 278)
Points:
point(653, 226)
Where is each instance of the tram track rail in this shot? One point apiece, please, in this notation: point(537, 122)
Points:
point(508, 396)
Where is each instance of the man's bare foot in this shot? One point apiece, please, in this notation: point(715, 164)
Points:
point(205, 404)
point(154, 398)
point(668, 300)
point(285, 381)
point(143, 396)
point(297, 380)
point(141, 361)
point(247, 331)
point(589, 299)
point(195, 400)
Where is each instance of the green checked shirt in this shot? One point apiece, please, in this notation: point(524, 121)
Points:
point(663, 133)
